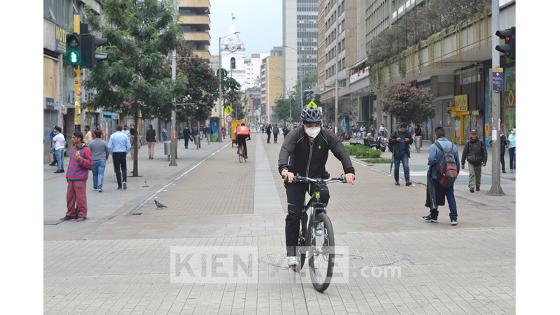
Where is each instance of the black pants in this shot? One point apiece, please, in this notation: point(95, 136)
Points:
point(268, 139)
point(503, 161)
point(119, 163)
point(296, 200)
point(275, 137)
point(186, 142)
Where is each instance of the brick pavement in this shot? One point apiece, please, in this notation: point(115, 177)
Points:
point(123, 265)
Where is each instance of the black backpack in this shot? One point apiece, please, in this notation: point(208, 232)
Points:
point(447, 168)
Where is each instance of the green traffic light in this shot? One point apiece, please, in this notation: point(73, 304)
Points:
point(73, 57)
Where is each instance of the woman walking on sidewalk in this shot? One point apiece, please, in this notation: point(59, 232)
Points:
point(76, 176)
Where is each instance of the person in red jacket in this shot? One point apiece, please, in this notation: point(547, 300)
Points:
point(243, 133)
point(76, 176)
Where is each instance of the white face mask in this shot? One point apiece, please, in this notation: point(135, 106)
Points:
point(312, 131)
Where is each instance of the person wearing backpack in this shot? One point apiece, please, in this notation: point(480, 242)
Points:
point(444, 163)
point(474, 153)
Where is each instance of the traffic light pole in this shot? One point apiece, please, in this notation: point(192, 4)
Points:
point(77, 83)
point(173, 155)
point(495, 189)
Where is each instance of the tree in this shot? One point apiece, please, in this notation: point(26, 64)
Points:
point(305, 87)
point(196, 97)
point(132, 80)
point(407, 103)
point(231, 93)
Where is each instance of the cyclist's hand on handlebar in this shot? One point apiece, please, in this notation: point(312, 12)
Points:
point(349, 177)
point(288, 175)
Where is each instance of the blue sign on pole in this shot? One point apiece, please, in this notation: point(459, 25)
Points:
point(497, 81)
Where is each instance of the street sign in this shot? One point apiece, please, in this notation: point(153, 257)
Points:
point(311, 104)
point(229, 119)
point(228, 110)
point(497, 81)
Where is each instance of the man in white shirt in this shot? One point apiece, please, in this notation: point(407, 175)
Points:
point(59, 145)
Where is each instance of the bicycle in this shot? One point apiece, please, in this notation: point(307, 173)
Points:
point(241, 154)
point(311, 232)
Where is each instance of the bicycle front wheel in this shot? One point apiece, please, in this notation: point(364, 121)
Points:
point(321, 253)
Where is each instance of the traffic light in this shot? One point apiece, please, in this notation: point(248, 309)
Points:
point(89, 44)
point(73, 49)
point(508, 48)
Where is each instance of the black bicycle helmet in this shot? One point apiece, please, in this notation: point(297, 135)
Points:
point(311, 115)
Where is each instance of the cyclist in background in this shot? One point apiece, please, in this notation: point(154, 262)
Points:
point(243, 133)
point(304, 153)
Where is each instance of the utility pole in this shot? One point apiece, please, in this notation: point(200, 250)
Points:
point(336, 77)
point(221, 104)
point(173, 158)
point(495, 189)
point(77, 83)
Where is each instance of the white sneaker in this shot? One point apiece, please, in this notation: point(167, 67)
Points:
point(453, 222)
point(292, 261)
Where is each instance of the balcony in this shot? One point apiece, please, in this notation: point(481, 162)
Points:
point(194, 3)
point(197, 37)
point(195, 20)
point(204, 54)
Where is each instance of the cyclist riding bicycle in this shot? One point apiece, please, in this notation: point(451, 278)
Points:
point(243, 133)
point(304, 153)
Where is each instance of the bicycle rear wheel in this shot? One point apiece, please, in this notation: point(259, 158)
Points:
point(321, 254)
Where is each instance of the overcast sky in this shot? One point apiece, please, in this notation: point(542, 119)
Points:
point(258, 21)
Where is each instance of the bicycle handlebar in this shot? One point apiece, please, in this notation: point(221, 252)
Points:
point(303, 179)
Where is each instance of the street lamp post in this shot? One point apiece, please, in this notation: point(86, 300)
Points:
point(220, 83)
point(173, 157)
point(336, 76)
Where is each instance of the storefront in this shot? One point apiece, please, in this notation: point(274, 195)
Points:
point(461, 119)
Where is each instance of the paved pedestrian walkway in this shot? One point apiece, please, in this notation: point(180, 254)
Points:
point(122, 265)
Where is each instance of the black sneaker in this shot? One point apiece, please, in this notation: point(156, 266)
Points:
point(124, 185)
point(477, 188)
point(119, 188)
point(408, 183)
point(397, 184)
point(428, 218)
point(66, 218)
point(58, 172)
point(472, 190)
point(52, 164)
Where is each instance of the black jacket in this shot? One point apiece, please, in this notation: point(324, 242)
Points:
point(304, 158)
point(474, 152)
point(395, 147)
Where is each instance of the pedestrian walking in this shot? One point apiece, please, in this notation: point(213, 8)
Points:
point(51, 136)
point(99, 154)
point(511, 147)
point(98, 127)
point(119, 147)
point(88, 137)
point(187, 136)
point(59, 145)
point(503, 145)
point(164, 134)
point(443, 161)
point(474, 153)
point(401, 141)
point(151, 138)
point(268, 132)
point(418, 137)
point(275, 132)
point(285, 131)
point(78, 168)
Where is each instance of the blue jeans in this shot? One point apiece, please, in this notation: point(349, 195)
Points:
point(443, 193)
point(512, 159)
point(403, 157)
point(59, 159)
point(98, 171)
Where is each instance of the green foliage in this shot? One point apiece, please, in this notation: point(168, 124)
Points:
point(362, 151)
point(140, 36)
point(407, 103)
point(378, 161)
point(231, 94)
point(195, 96)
